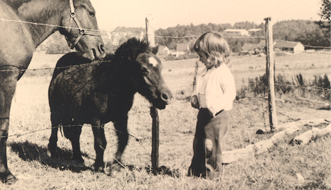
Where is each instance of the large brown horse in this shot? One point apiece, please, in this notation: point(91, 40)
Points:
point(25, 24)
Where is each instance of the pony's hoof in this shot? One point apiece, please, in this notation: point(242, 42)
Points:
point(78, 160)
point(52, 153)
point(116, 167)
point(98, 167)
point(8, 179)
point(113, 169)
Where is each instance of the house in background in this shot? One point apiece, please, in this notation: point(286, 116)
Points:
point(293, 47)
point(163, 51)
point(254, 48)
point(248, 47)
point(236, 32)
point(182, 49)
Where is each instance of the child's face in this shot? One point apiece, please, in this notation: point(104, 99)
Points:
point(203, 58)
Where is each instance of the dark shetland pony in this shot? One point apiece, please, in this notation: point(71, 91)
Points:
point(102, 92)
point(24, 25)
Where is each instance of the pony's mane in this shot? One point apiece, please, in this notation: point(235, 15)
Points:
point(131, 49)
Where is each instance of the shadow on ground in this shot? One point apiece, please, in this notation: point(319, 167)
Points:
point(28, 151)
point(163, 170)
point(32, 152)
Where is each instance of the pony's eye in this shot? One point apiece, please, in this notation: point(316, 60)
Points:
point(92, 14)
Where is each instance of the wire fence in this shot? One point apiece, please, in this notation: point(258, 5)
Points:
point(156, 36)
point(97, 62)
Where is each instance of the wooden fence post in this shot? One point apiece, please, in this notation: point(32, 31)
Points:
point(150, 31)
point(153, 110)
point(270, 74)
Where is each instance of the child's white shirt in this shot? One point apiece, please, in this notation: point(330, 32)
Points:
point(217, 88)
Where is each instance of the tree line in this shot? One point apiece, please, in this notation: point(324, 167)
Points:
point(309, 33)
point(304, 31)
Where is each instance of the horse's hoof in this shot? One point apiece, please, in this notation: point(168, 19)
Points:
point(8, 179)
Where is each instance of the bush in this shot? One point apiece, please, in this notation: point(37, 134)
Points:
point(280, 53)
point(181, 57)
point(318, 88)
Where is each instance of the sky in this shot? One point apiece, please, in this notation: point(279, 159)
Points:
point(170, 13)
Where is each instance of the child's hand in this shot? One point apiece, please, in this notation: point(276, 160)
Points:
point(195, 102)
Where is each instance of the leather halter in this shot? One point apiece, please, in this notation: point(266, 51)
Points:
point(82, 32)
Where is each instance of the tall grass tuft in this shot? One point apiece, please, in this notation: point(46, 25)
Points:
point(318, 88)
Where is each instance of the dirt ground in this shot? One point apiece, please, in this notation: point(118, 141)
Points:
point(275, 169)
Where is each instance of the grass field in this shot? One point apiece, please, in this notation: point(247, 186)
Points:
point(278, 168)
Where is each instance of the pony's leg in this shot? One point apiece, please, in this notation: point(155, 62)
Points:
point(53, 138)
point(72, 131)
point(74, 138)
point(8, 82)
point(121, 127)
point(100, 144)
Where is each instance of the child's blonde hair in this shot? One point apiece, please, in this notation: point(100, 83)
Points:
point(214, 45)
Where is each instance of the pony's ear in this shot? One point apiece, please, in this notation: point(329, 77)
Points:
point(155, 49)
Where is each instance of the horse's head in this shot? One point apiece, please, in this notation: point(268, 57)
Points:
point(146, 70)
point(80, 27)
point(153, 86)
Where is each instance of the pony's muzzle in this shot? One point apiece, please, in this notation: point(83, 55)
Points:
point(166, 97)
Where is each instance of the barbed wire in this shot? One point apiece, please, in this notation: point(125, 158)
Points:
point(62, 126)
point(226, 37)
point(49, 25)
point(156, 36)
point(53, 68)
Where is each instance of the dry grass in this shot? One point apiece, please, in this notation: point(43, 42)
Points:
point(275, 169)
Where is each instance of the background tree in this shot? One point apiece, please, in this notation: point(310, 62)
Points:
point(325, 15)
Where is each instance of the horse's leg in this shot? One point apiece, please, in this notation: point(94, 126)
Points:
point(100, 144)
point(8, 82)
point(53, 138)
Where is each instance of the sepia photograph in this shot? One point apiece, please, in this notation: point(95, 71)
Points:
point(165, 95)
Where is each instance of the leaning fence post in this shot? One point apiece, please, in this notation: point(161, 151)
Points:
point(153, 110)
point(270, 74)
point(155, 139)
point(195, 74)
